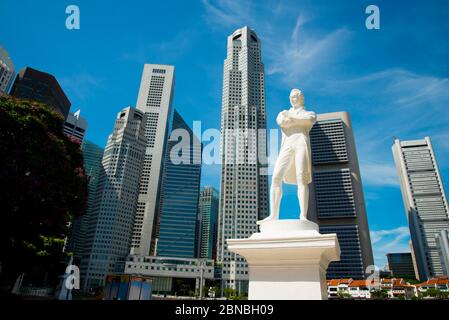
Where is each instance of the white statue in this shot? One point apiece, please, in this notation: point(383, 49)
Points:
point(294, 163)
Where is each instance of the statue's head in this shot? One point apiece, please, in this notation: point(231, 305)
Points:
point(297, 99)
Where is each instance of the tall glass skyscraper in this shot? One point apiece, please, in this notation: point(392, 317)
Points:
point(155, 100)
point(175, 232)
point(244, 180)
point(425, 202)
point(336, 199)
point(111, 225)
point(443, 249)
point(401, 265)
point(207, 223)
point(76, 241)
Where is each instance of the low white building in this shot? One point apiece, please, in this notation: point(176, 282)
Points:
point(335, 286)
point(363, 289)
point(360, 289)
point(165, 269)
point(440, 283)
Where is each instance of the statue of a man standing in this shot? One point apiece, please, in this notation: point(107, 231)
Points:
point(294, 163)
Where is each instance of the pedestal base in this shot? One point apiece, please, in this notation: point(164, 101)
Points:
point(287, 260)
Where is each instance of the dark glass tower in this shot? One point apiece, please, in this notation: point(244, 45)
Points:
point(79, 228)
point(176, 223)
point(36, 85)
point(401, 265)
point(337, 202)
point(207, 223)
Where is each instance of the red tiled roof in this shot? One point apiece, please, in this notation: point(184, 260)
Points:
point(346, 280)
point(434, 281)
point(333, 282)
point(359, 283)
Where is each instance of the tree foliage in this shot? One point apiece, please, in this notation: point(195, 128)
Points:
point(343, 294)
point(43, 185)
point(436, 293)
point(379, 294)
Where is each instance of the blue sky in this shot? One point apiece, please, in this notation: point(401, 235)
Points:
point(393, 81)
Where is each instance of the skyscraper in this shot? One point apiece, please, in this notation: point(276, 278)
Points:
point(76, 240)
point(109, 239)
point(336, 199)
point(244, 180)
point(443, 249)
point(6, 71)
point(75, 126)
point(425, 202)
point(155, 100)
point(32, 84)
point(207, 223)
point(176, 222)
point(401, 265)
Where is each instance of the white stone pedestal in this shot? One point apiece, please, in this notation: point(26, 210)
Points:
point(287, 260)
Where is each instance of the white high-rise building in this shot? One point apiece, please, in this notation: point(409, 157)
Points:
point(6, 71)
point(155, 100)
point(244, 180)
point(425, 202)
point(109, 234)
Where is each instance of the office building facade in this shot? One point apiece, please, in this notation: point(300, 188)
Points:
point(32, 84)
point(207, 223)
point(401, 265)
point(6, 71)
point(336, 197)
point(81, 226)
point(75, 127)
point(425, 202)
point(244, 180)
point(155, 101)
point(109, 238)
point(175, 232)
point(443, 249)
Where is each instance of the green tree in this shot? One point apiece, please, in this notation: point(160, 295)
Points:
point(379, 294)
point(435, 293)
point(418, 297)
point(343, 294)
point(230, 293)
point(43, 188)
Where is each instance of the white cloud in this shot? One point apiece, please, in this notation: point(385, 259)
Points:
point(379, 174)
point(168, 50)
point(399, 103)
point(228, 13)
point(389, 241)
point(396, 88)
point(80, 85)
point(300, 59)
